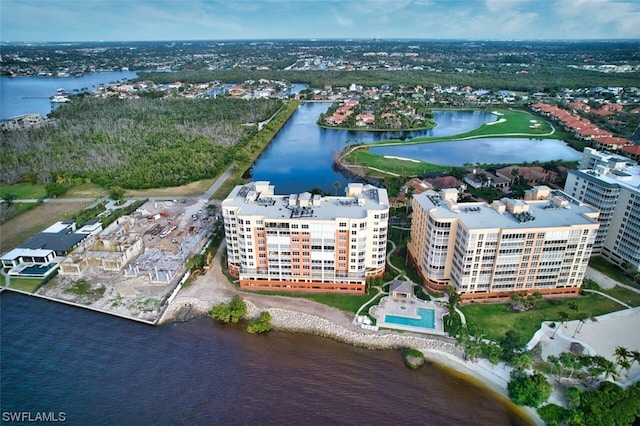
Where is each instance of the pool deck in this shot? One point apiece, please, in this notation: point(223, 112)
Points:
point(407, 308)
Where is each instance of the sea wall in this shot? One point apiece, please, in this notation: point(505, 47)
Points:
point(184, 309)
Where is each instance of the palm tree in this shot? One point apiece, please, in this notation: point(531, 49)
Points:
point(555, 363)
point(582, 318)
point(337, 186)
point(636, 356)
point(625, 364)
point(609, 370)
point(408, 240)
point(454, 298)
point(515, 174)
point(409, 196)
point(563, 318)
point(621, 353)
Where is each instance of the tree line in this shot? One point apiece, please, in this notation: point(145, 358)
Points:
point(549, 78)
point(134, 144)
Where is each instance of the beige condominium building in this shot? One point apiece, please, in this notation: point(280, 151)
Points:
point(489, 251)
point(306, 242)
point(611, 183)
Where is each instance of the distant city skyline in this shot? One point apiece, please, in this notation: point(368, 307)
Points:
point(146, 20)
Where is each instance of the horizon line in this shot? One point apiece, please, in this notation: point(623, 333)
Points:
point(315, 39)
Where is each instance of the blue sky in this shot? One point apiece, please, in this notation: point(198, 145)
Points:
point(126, 20)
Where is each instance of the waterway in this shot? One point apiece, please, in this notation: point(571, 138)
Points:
point(103, 370)
point(301, 155)
point(485, 150)
point(30, 95)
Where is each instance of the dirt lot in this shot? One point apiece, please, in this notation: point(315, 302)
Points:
point(193, 188)
point(132, 266)
point(28, 224)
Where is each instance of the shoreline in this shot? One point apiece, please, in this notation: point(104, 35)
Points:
point(442, 351)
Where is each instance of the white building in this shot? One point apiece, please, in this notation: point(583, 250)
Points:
point(306, 242)
point(612, 184)
point(487, 252)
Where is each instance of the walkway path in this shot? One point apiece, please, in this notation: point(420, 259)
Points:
point(605, 281)
point(607, 296)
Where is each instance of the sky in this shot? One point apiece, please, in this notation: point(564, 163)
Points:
point(143, 20)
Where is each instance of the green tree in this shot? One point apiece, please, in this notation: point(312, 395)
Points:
point(233, 311)
point(409, 197)
point(491, 351)
point(337, 186)
point(582, 319)
point(8, 198)
point(116, 193)
point(238, 308)
point(610, 405)
point(261, 324)
point(511, 345)
point(530, 390)
point(515, 174)
point(570, 361)
point(564, 317)
point(555, 363)
point(517, 302)
point(55, 189)
point(522, 360)
point(454, 298)
point(196, 262)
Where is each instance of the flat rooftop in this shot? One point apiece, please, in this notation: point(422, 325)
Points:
point(253, 201)
point(629, 177)
point(480, 215)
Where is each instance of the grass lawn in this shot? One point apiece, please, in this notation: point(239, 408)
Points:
point(516, 122)
point(495, 319)
point(627, 296)
point(600, 264)
point(20, 228)
point(510, 123)
point(345, 302)
point(23, 190)
point(85, 190)
point(393, 165)
point(25, 284)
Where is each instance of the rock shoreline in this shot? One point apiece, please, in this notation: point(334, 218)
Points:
point(186, 309)
point(442, 351)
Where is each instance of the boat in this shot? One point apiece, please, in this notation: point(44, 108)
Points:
point(60, 97)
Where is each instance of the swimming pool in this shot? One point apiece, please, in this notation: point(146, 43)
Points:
point(426, 320)
point(35, 270)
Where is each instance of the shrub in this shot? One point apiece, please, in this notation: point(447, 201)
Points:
point(233, 311)
point(530, 390)
point(413, 358)
point(261, 324)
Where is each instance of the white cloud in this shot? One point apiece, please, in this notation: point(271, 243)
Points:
point(601, 18)
point(342, 21)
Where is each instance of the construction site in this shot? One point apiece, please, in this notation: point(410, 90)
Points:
point(133, 265)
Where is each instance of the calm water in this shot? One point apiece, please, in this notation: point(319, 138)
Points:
point(102, 370)
point(301, 155)
point(487, 150)
point(107, 371)
point(30, 95)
